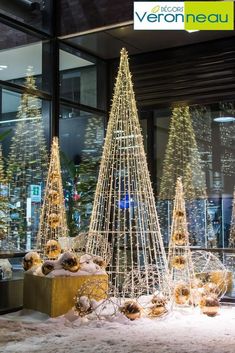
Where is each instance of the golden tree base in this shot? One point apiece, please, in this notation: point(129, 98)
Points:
point(55, 296)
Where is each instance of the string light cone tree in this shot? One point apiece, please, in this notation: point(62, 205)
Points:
point(179, 255)
point(4, 201)
point(124, 226)
point(28, 159)
point(53, 223)
point(182, 158)
point(232, 225)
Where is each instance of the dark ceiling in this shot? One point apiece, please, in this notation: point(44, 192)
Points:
point(106, 44)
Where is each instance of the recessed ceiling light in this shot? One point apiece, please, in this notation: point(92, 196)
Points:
point(2, 67)
point(224, 119)
point(192, 30)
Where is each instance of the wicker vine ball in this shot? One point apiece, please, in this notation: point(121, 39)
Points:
point(209, 305)
point(131, 310)
point(54, 197)
point(181, 293)
point(52, 249)
point(31, 259)
point(178, 262)
point(54, 220)
point(179, 238)
point(69, 262)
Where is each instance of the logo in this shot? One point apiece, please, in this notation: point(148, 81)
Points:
point(188, 15)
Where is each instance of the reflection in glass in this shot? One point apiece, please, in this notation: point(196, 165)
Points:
point(27, 167)
point(81, 141)
point(215, 143)
point(79, 76)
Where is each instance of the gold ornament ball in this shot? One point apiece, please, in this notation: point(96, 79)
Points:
point(131, 310)
point(69, 262)
point(181, 293)
point(47, 267)
point(158, 307)
point(54, 176)
point(54, 197)
point(53, 249)
point(179, 238)
point(210, 305)
point(54, 220)
point(31, 259)
point(98, 260)
point(157, 311)
point(179, 213)
point(178, 262)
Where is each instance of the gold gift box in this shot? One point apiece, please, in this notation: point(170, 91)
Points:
point(55, 296)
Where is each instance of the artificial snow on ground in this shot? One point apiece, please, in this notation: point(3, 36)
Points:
point(183, 330)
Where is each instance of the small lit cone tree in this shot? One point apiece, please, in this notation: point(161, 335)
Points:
point(182, 159)
point(53, 223)
point(28, 158)
point(4, 201)
point(232, 225)
point(124, 226)
point(179, 255)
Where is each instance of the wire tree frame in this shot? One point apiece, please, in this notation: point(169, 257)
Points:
point(179, 256)
point(53, 223)
point(124, 218)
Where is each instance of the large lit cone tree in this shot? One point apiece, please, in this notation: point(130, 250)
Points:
point(232, 225)
point(53, 223)
point(179, 255)
point(28, 159)
point(182, 158)
point(124, 226)
point(4, 201)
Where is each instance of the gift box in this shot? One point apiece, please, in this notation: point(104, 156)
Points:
point(55, 295)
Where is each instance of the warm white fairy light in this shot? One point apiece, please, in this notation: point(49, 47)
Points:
point(179, 256)
point(124, 218)
point(53, 224)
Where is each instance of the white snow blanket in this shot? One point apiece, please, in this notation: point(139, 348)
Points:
point(182, 331)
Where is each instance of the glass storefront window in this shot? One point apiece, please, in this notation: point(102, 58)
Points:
point(81, 141)
point(83, 79)
point(19, 52)
point(24, 134)
point(213, 126)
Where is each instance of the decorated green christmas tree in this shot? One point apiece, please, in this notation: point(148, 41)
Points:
point(53, 223)
point(27, 162)
point(124, 227)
